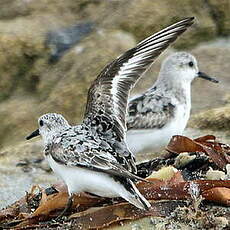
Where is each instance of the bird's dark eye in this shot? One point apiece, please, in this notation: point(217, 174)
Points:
point(41, 123)
point(191, 64)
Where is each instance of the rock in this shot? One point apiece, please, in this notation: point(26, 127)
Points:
point(183, 159)
point(227, 98)
point(61, 40)
point(128, 15)
point(13, 8)
point(220, 15)
point(153, 15)
point(214, 119)
point(23, 25)
point(165, 173)
point(17, 56)
point(26, 149)
point(215, 175)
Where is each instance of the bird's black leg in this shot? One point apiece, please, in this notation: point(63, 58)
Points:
point(67, 207)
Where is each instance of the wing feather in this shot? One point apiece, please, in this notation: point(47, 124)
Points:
point(149, 112)
point(96, 160)
point(108, 95)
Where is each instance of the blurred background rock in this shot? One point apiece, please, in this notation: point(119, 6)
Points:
point(51, 51)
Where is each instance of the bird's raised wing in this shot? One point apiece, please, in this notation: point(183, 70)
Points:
point(108, 95)
point(149, 112)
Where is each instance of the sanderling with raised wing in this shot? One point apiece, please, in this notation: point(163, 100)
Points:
point(164, 109)
point(93, 157)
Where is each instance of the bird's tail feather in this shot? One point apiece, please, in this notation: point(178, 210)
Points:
point(134, 197)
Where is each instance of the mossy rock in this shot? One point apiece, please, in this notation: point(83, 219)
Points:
point(17, 56)
point(12, 8)
point(143, 17)
point(214, 119)
point(219, 11)
point(140, 17)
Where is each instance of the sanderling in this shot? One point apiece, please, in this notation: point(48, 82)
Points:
point(163, 110)
point(93, 157)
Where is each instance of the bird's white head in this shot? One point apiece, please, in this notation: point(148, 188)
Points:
point(50, 124)
point(182, 67)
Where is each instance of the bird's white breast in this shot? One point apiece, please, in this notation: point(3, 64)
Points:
point(142, 140)
point(83, 180)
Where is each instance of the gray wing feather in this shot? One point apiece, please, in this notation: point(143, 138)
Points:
point(149, 111)
point(95, 160)
point(108, 95)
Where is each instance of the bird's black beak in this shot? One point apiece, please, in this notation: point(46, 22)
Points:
point(33, 134)
point(206, 77)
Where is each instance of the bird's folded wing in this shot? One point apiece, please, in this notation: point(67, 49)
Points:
point(95, 160)
point(107, 97)
point(149, 112)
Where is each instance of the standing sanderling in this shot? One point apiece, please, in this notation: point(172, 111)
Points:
point(163, 110)
point(93, 157)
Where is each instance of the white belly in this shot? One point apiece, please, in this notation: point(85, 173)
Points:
point(83, 180)
point(143, 140)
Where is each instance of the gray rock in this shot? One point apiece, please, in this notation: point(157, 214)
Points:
point(61, 40)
